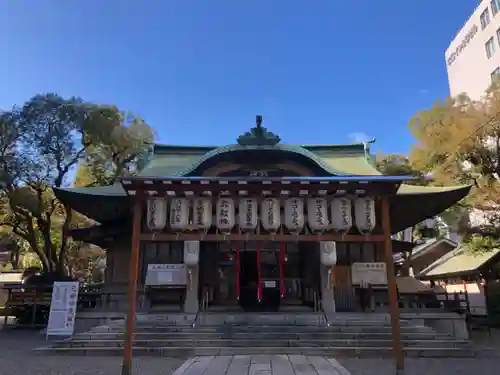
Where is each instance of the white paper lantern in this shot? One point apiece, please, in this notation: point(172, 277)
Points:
point(247, 214)
point(328, 253)
point(202, 213)
point(156, 213)
point(294, 214)
point(364, 211)
point(270, 214)
point(179, 213)
point(191, 253)
point(341, 213)
point(317, 214)
point(225, 215)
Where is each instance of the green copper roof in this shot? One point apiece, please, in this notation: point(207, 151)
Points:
point(171, 160)
point(458, 262)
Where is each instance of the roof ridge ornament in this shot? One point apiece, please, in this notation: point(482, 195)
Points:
point(258, 136)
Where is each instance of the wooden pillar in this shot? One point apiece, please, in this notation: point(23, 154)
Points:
point(132, 287)
point(397, 345)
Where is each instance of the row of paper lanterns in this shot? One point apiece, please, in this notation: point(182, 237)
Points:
point(197, 214)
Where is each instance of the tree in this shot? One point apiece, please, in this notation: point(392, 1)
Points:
point(121, 149)
point(399, 165)
point(458, 142)
point(40, 144)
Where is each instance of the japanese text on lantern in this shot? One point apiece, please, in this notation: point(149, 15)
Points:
point(177, 211)
point(270, 212)
point(224, 212)
point(319, 211)
point(345, 209)
point(368, 212)
point(249, 212)
point(200, 210)
point(153, 216)
point(295, 214)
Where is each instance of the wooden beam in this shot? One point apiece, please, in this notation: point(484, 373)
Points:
point(273, 189)
point(397, 345)
point(260, 237)
point(132, 287)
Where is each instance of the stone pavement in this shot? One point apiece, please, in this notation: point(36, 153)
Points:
point(423, 366)
point(261, 365)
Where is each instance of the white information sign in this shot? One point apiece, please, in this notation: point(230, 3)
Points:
point(166, 274)
point(369, 273)
point(63, 308)
point(270, 284)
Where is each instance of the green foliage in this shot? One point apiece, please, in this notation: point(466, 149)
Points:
point(399, 165)
point(6, 267)
point(458, 142)
point(40, 144)
point(481, 244)
point(120, 149)
point(420, 232)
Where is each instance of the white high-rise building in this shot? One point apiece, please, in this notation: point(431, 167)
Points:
point(473, 57)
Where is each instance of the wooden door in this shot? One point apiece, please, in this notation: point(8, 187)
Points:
point(344, 292)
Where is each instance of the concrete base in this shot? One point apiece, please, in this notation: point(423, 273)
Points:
point(448, 323)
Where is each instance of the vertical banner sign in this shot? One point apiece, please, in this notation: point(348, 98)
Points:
point(259, 286)
point(282, 273)
point(63, 308)
point(237, 273)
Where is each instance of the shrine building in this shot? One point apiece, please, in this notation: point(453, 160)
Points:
point(254, 226)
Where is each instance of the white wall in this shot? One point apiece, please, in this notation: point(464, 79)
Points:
point(471, 70)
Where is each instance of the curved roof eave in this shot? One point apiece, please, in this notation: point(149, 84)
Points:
point(408, 209)
point(109, 203)
point(102, 204)
point(405, 189)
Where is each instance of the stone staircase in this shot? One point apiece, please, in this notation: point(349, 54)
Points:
point(270, 333)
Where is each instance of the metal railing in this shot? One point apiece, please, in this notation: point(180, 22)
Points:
point(318, 309)
point(202, 310)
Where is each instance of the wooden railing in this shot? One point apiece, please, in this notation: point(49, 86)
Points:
point(372, 299)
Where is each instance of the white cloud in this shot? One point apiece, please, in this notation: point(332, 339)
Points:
point(359, 137)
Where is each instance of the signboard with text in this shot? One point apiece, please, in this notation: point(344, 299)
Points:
point(369, 273)
point(166, 274)
point(63, 308)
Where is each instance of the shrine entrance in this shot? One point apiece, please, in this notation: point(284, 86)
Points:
point(290, 279)
point(268, 277)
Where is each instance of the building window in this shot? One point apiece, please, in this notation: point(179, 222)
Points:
point(495, 6)
point(490, 47)
point(485, 18)
point(495, 74)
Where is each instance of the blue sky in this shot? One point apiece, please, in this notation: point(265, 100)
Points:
point(323, 71)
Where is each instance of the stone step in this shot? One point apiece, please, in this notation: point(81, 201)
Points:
point(247, 335)
point(275, 329)
point(250, 343)
point(331, 351)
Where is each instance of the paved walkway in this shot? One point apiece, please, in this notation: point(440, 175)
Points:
point(261, 365)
